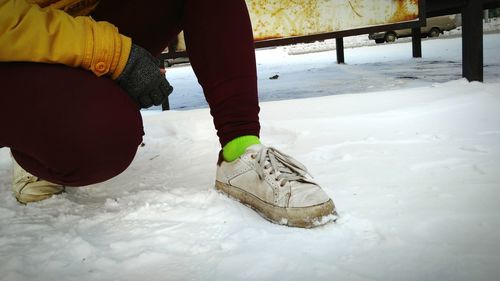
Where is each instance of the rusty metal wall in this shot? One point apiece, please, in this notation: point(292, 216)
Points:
point(287, 18)
point(273, 19)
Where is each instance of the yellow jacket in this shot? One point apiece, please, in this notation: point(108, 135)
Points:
point(31, 33)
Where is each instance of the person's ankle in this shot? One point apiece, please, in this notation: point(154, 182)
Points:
point(236, 147)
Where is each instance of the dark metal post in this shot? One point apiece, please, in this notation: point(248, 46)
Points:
point(416, 40)
point(165, 105)
point(339, 45)
point(472, 40)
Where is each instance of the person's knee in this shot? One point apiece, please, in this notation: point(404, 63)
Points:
point(102, 149)
point(94, 148)
point(76, 129)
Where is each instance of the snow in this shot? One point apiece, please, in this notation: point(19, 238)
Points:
point(411, 163)
point(369, 68)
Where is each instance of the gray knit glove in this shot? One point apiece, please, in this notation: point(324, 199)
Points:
point(142, 79)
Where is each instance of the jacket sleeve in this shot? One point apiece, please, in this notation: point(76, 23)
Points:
point(30, 33)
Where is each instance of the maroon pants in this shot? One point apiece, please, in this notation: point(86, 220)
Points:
point(70, 127)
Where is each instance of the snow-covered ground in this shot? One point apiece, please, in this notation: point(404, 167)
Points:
point(410, 153)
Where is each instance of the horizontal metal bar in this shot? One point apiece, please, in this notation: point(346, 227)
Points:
point(337, 34)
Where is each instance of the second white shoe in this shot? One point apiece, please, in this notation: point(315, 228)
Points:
point(276, 186)
point(28, 188)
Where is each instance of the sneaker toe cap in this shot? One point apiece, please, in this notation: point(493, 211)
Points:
point(306, 195)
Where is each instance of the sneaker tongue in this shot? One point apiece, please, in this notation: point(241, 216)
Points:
point(280, 168)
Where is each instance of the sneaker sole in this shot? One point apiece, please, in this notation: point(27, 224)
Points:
point(25, 198)
point(305, 217)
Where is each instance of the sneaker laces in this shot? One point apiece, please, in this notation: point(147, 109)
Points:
point(283, 166)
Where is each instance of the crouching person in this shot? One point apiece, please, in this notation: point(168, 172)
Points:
point(76, 73)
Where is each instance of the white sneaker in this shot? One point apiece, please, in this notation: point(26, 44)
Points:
point(275, 185)
point(29, 188)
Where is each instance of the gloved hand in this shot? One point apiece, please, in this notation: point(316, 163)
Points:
point(142, 80)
